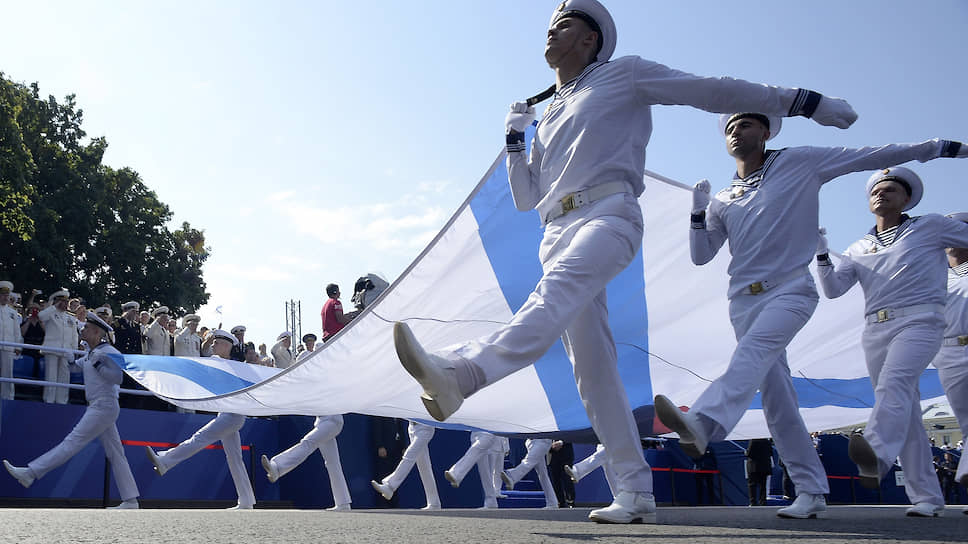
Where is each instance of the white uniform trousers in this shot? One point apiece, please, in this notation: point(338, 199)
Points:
point(322, 437)
point(952, 365)
point(225, 428)
point(481, 443)
point(580, 253)
point(6, 371)
point(764, 325)
point(56, 370)
point(897, 352)
point(535, 459)
point(417, 453)
point(98, 422)
point(598, 458)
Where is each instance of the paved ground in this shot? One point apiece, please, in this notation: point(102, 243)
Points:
point(733, 525)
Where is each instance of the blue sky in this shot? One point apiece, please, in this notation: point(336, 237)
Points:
point(317, 141)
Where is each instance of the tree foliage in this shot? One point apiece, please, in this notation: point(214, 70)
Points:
point(66, 219)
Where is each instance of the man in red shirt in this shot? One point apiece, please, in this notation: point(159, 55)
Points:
point(333, 317)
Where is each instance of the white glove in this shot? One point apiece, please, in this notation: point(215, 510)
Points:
point(834, 112)
point(822, 242)
point(700, 196)
point(520, 117)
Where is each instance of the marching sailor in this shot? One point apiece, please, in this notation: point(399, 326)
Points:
point(102, 378)
point(417, 453)
point(538, 449)
point(769, 216)
point(901, 266)
point(479, 454)
point(584, 176)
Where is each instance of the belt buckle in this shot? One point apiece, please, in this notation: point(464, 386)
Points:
point(882, 316)
point(963, 340)
point(568, 203)
point(756, 288)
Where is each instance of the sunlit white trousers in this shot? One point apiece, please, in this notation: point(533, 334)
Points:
point(580, 253)
point(321, 437)
point(589, 464)
point(952, 365)
point(764, 325)
point(56, 370)
point(6, 371)
point(417, 453)
point(98, 422)
point(897, 352)
point(225, 428)
point(535, 460)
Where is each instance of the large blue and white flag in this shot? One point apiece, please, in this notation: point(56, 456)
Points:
point(668, 316)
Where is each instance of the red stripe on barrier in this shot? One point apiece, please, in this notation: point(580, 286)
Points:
point(829, 477)
point(170, 445)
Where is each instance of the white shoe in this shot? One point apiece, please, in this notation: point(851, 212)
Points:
point(572, 473)
point(431, 507)
point(551, 506)
point(130, 504)
point(23, 474)
point(241, 507)
point(382, 489)
point(862, 454)
point(692, 440)
point(925, 510)
point(454, 482)
point(628, 507)
point(508, 481)
point(804, 506)
point(272, 472)
point(345, 507)
point(435, 374)
point(160, 467)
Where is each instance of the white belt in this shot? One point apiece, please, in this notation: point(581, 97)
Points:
point(573, 201)
point(758, 287)
point(956, 341)
point(887, 314)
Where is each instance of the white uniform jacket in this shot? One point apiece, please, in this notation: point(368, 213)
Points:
point(157, 340)
point(188, 344)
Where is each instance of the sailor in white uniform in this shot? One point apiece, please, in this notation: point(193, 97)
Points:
point(769, 216)
point(584, 176)
point(280, 351)
point(60, 331)
point(157, 338)
point(590, 464)
point(952, 358)
point(225, 428)
point(187, 341)
point(417, 453)
point(9, 332)
point(102, 378)
point(534, 459)
point(901, 266)
point(478, 454)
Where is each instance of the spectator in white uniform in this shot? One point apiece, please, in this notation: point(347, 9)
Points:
point(60, 331)
point(309, 341)
point(952, 358)
point(583, 177)
point(482, 443)
point(280, 350)
point(769, 216)
point(187, 341)
point(417, 453)
point(10, 322)
point(534, 459)
point(225, 428)
point(157, 339)
point(901, 266)
point(102, 378)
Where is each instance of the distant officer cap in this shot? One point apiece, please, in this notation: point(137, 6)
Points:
point(130, 305)
point(63, 293)
point(159, 310)
point(597, 18)
point(307, 336)
point(5, 287)
point(238, 328)
point(104, 310)
point(225, 335)
point(772, 122)
point(96, 320)
point(191, 317)
point(285, 334)
point(908, 179)
point(960, 216)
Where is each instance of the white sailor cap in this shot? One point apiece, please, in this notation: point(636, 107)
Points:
point(238, 328)
point(96, 320)
point(596, 16)
point(959, 216)
point(130, 305)
point(5, 287)
point(772, 122)
point(63, 293)
point(284, 334)
point(191, 317)
point(225, 335)
point(104, 310)
point(908, 179)
point(159, 310)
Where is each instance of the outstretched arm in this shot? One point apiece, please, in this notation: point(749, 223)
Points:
point(704, 239)
point(524, 185)
point(835, 281)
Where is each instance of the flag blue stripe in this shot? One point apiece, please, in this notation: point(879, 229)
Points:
point(849, 393)
point(219, 382)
